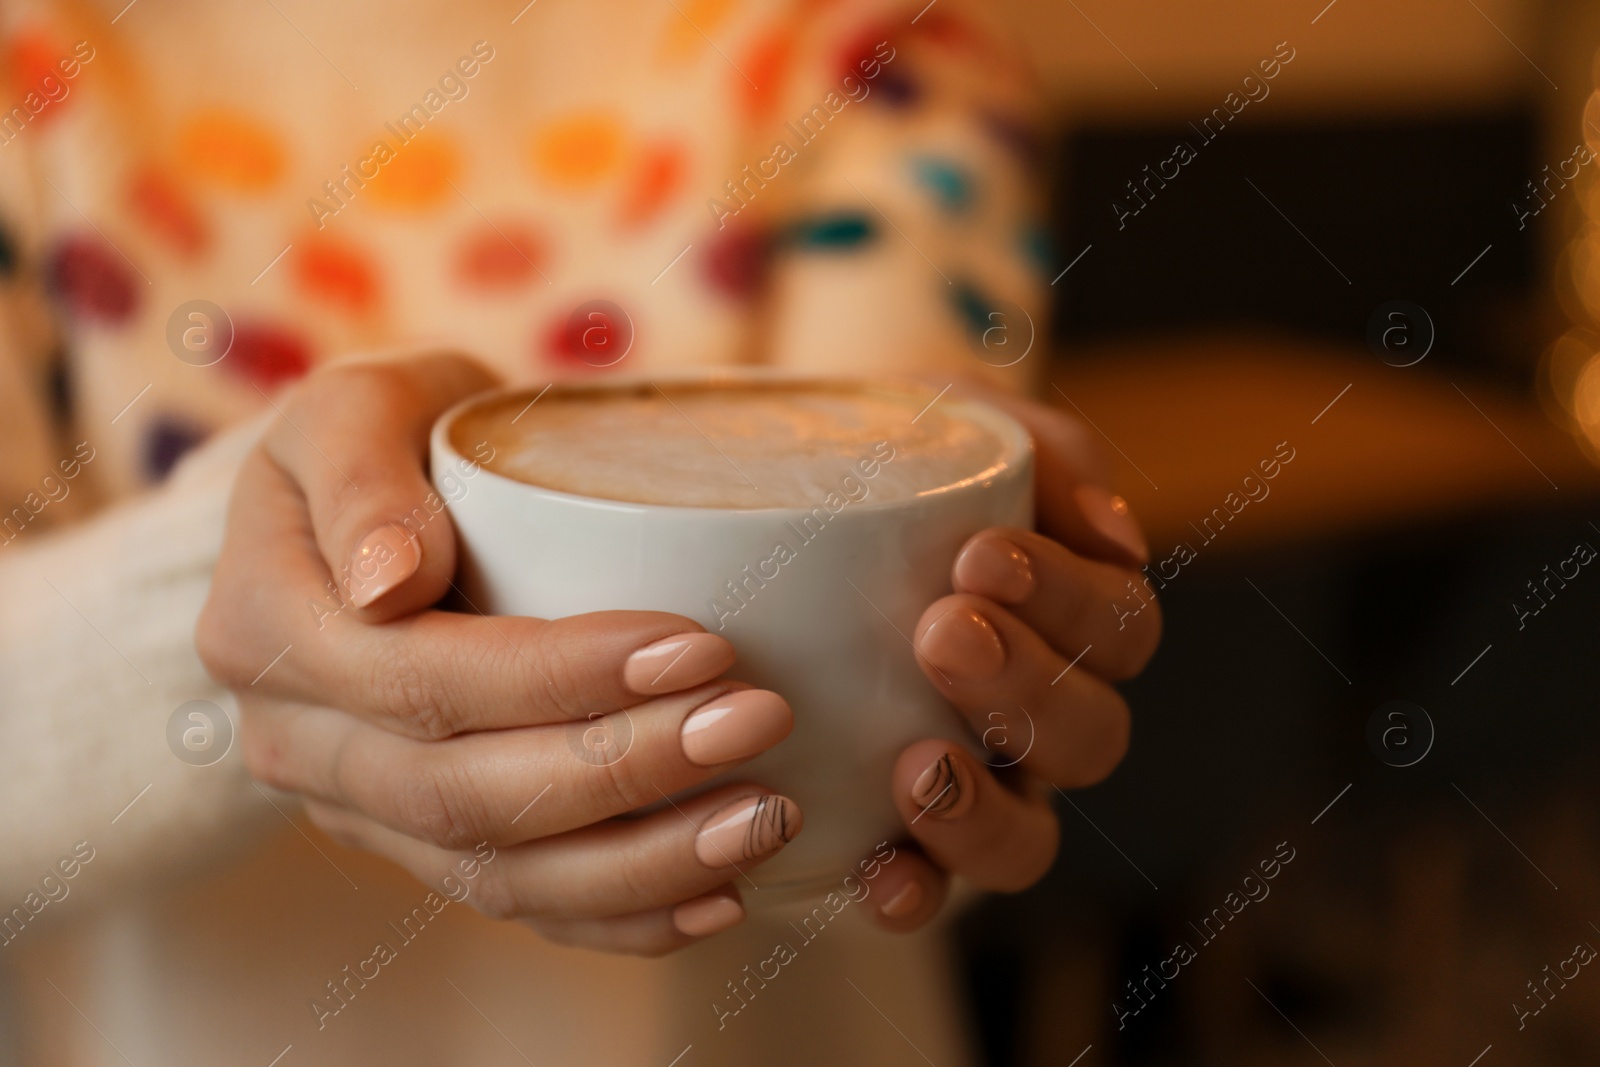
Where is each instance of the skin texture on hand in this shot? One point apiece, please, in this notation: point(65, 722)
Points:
point(419, 733)
point(1026, 646)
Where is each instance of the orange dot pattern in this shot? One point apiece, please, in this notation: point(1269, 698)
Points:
point(232, 151)
point(418, 176)
point(578, 151)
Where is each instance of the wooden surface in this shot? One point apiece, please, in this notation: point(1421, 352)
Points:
point(1186, 422)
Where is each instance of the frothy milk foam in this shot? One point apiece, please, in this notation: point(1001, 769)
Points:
point(735, 445)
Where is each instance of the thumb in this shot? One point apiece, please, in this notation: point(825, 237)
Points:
point(1071, 475)
point(354, 439)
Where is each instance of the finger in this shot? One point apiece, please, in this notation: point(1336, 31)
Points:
point(968, 823)
point(909, 891)
point(616, 867)
point(515, 785)
point(468, 877)
point(1074, 503)
point(1028, 703)
point(650, 933)
point(432, 674)
point(354, 439)
point(1080, 606)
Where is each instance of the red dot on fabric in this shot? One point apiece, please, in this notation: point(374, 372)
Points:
point(93, 281)
point(335, 272)
point(658, 175)
point(858, 55)
point(502, 257)
point(766, 70)
point(595, 335)
point(163, 205)
point(267, 355)
point(735, 261)
point(35, 61)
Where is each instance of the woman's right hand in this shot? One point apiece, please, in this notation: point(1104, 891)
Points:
point(423, 734)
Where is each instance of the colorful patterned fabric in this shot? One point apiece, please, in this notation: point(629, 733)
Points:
point(813, 184)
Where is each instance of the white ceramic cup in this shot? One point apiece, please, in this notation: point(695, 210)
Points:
point(830, 630)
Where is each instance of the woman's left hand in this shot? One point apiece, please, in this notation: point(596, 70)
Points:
point(1026, 647)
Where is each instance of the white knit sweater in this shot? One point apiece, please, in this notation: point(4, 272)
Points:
point(156, 912)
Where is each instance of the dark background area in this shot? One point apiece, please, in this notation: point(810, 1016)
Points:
point(1243, 731)
point(1400, 207)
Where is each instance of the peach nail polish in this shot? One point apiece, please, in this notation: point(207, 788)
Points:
point(963, 644)
point(707, 915)
point(903, 903)
point(677, 662)
point(1109, 515)
point(385, 557)
point(943, 791)
point(995, 568)
point(748, 829)
point(735, 726)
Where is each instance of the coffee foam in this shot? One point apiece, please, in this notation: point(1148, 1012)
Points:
point(738, 445)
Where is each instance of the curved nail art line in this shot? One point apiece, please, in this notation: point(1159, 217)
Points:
point(943, 793)
point(768, 828)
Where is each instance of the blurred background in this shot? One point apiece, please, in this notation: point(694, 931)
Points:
point(1378, 261)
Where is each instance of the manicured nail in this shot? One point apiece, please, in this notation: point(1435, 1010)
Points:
point(944, 790)
point(707, 915)
point(385, 557)
point(995, 568)
point(747, 829)
point(735, 726)
point(1109, 515)
point(903, 903)
point(677, 662)
point(964, 644)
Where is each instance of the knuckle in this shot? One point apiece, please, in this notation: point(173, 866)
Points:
point(560, 671)
point(263, 759)
point(497, 898)
point(620, 785)
point(403, 691)
point(434, 805)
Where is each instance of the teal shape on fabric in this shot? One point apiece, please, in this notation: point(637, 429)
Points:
point(846, 230)
point(947, 182)
point(973, 307)
point(1038, 247)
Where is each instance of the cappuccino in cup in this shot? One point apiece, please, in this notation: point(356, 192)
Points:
point(809, 522)
point(730, 446)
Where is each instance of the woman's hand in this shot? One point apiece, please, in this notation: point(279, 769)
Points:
point(1026, 647)
point(421, 734)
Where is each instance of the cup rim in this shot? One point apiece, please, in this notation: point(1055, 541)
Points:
point(1017, 453)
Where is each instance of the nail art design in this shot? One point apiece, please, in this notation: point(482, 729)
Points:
point(769, 827)
point(938, 790)
point(748, 829)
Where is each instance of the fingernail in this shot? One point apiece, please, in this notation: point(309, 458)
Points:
point(963, 643)
point(735, 726)
point(677, 662)
point(995, 568)
point(385, 557)
point(747, 829)
point(904, 902)
point(943, 791)
point(707, 915)
point(1110, 516)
